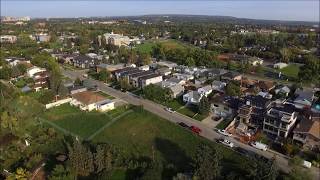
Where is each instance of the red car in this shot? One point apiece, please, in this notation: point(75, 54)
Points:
point(195, 129)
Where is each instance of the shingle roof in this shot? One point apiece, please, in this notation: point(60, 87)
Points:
point(88, 97)
point(310, 127)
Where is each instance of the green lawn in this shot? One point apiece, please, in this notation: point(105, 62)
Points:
point(106, 95)
point(291, 70)
point(191, 111)
point(224, 123)
point(146, 47)
point(75, 121)
point(144, 134)
point(175, 104)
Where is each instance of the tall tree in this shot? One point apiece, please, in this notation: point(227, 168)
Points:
point(207, 163)
point(81, 158)
point(204, 106)
point(285, 54)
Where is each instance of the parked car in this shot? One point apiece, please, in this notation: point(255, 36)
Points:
point(218, 118)
point(224, 132)
point(169, 109)
point(184, 125)
point(226, 142)
point(259, 145)
point(195, 129)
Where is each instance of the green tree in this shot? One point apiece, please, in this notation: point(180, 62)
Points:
point(157, 93)
point(233, 89)
point(207, 163)
point(190, 62)
point(78, 82)
point(103, 158)
point(204, 106)
point(104, 75)
point(124, 84)
point(8, 122)
point(19, 174)
point(60, 172)
point(285, 54)
point(310, 72)
point(81, 158)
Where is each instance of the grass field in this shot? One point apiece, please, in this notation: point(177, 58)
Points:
point(75, 121)
point(175, 104)
point(191, 112)
point(146, 135)
point(291, 70)
point(147, 47)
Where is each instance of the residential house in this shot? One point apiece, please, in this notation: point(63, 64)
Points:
point(119, 73)
point(88, 101)
point(41, 37)
point(13, 61)
point(176, 88)
point(144, 68)
point(33, 70)
point(231, 76)
point(283, 90)
point(185, 77)
point(170, 65)
point(109, 67)
point(255, 61)
point(307, 133)
point(192, 97)
point(164, 71)
point(205, 90)
point(265, 86)
point(77, 89)
point(150, 79)
point(176, 81)
point(41, 80)
point(280, 120)
point(83, 61)
point(218, 86)
point(8, 39)
point(304, 99)
point(134, 79)
point(260, 105)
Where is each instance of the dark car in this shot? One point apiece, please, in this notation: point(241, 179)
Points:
point(184, 125)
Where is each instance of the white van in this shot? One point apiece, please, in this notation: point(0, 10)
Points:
point(259, 145)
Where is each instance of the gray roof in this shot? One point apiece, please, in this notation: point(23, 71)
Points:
point(304, 95)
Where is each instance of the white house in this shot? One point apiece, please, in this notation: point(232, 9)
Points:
point(88, 101)
point(34, 70)
point(150, 79)
point(192, 97)
point(144, 68)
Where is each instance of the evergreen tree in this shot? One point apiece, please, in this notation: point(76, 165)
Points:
point(204, 106)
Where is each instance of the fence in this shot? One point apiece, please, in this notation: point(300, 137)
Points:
point(58, 103)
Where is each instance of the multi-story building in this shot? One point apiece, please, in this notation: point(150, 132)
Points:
point(259, 105)
point(279, 120)
point(40, 77)
point(150, 79)
point(116, 39)
point(8, 39)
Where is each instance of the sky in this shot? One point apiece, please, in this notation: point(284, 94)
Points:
point(293, 10)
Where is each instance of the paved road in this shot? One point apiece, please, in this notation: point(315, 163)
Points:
point(282, 161)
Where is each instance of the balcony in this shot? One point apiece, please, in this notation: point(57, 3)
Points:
point(300, 138)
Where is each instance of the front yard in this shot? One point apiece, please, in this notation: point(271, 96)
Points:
point(192, 112)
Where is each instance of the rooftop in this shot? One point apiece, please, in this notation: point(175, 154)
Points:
point(88, 97)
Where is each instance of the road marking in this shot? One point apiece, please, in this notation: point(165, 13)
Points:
point(108, 124)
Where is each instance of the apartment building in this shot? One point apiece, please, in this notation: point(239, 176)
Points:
point(116, 39)
point(279, 120)
point(150, 79)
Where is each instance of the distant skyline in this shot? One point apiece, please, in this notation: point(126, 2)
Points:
point(292, 10)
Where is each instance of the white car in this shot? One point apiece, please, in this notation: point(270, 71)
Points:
point(306, 164)
point(169, 110)
point(259, 145)
point(227, 143)
point(224, 132)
